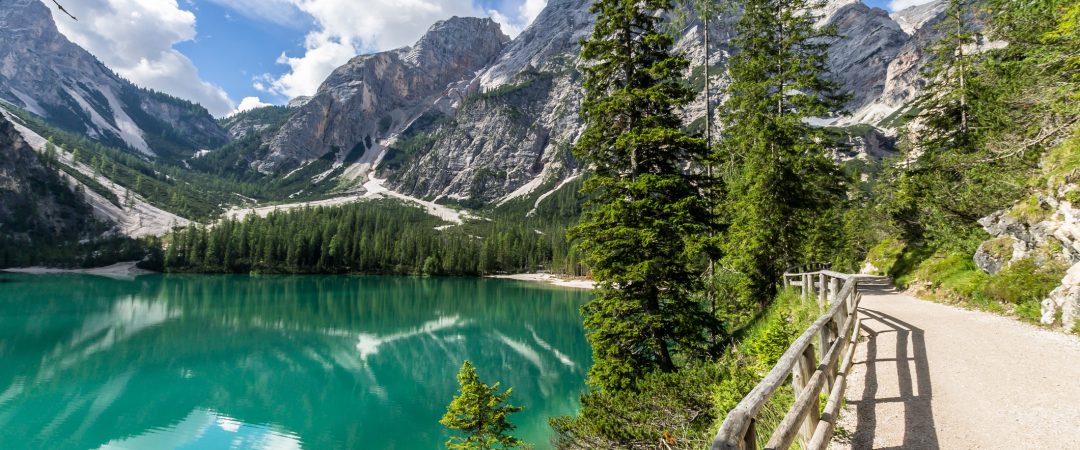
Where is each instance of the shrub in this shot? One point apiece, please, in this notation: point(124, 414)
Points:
point(676, 408)
point(1030, 210)
point(771, 345)
point(885, 254)
point(1029, 310)
point(1000, 248)
point(1024, 281)
point(955, 272)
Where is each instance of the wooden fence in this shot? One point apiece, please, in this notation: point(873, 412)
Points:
point(811, 373)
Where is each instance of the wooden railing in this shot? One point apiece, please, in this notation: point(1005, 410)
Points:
point(810, 373)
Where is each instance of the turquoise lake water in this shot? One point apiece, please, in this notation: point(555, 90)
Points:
point(268, 362)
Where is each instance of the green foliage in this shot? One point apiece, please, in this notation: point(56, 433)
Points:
point(955, 272)
point(1000, 248)
point(885, 254)
point(776, 174)
point(676, 410)
point(382, 236)
point(986, 119)
point(74, 254)
point(1030, 211)
point(481, 413)
point(1023, 281)
point(772, 344)
point(639, 234)
point(683, 410)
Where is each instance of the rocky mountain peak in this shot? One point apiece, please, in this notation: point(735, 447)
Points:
point(373, 96)
point(43, 72)
point(911, 19)
point(557, 31)
point(453, 41)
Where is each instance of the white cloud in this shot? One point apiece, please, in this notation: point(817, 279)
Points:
point(135, 38)
point(897, 5)
point(248, 104)
point(345, 28)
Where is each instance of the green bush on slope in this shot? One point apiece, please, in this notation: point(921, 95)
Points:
point(686, 408)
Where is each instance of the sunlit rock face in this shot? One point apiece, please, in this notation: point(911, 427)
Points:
point(362, 102)
point(497, 123)
point(1050, 234)
point(43, 72)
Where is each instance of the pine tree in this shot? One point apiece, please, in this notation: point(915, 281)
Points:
point(639, 232)
point(481, 412)
point(775, 168)
point(50, 153)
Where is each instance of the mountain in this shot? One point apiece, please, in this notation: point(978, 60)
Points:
point(494, 119)
point(43, 72)
point(465, 116)
point(512, 137)
point(514, 130)
point(362, 101)
point(36, 204)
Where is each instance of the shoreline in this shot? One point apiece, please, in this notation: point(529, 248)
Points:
point(123, 269)
point(549, 279)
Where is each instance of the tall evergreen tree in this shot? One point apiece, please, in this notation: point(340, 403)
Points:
point(986, 116)
point(480, 412)
point(774, 165)
point(638, 233)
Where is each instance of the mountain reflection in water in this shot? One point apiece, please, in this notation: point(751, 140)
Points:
point(166, 361)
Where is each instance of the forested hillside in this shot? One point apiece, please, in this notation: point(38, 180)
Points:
point(687, 317)
point(379, 236)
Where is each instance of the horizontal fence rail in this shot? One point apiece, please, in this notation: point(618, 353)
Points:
point(811, 372)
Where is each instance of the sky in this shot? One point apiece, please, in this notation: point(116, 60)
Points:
point(233, 55)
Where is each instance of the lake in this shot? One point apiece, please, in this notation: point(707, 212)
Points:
point(275, 362)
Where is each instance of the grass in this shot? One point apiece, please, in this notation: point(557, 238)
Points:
point(1023, 282)
point(1030, 210)
point(951, 276)
point(1000, 248)
point(885, 254)
point(765, 340)
point(1062, 161)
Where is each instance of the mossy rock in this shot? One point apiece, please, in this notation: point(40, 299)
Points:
point(1001, 247)
point(1030, 210)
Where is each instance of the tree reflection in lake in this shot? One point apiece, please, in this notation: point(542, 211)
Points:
point(274, 362)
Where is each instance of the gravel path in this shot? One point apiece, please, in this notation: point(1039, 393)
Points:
point(930, 376)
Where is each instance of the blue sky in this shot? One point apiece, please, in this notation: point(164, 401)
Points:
point(229, 54)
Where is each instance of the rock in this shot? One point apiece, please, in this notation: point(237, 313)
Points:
point(1064, 299)
point(498, 122)
point(859, 59)
point(1055, 238)
point(912, 18)
point(299, 101)
point(36, 204)
point(372, 97)
point(994, 254)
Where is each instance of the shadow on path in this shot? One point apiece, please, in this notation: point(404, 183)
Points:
point(887, 396)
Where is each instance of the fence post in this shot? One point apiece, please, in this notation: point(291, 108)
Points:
point(825, 340)
point(805, 286)
point(801, 374)
point(823, 292)
point(834, 289)
point(750, 438)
